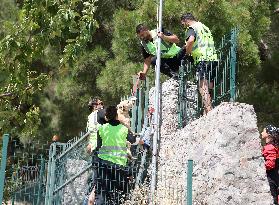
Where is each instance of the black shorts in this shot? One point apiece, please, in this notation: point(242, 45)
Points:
point(207, 70)
point(170, 65)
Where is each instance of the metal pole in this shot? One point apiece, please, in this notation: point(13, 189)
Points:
point(180, 95)
point(3, 165)
point(157, 102)
point(232, 65)
point(42, 171)
point(189, 182)
point(134, 109)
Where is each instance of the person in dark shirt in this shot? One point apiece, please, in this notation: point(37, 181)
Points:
point(170, 53)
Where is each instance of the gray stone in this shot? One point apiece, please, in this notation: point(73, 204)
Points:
point(74, 192)
point(225, 148)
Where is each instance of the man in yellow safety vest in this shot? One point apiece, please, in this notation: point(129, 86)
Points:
point(113, 175)
point(200, 45)
point(170, 52)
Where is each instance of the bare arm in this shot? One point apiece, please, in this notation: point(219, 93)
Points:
point(172, 38)
point(146, 64)
point(189, 45)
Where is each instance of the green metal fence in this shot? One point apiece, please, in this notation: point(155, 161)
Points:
point(24, 175)
point(140, 109)
point(59, 173)
point(222, 77)
point(70, 170)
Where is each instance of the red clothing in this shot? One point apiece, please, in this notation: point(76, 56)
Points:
point(270, 153)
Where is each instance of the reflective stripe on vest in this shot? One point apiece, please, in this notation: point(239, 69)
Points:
point(114, 148)
point(110, 148)
point(203, 48)
point(102, 153)
point(168, 50)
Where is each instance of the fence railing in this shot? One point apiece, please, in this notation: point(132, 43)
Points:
point(63, 178)
point(70, 170)
point(222, 78)
point(24, 175)
point(140, 109)
point(64, 169)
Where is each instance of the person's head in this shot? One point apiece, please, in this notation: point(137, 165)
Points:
point(143, 32)
point(111, 113)
point(55, 138)
point(95, 104)
point(270, 134)
point(187, 19)
point(125, 105)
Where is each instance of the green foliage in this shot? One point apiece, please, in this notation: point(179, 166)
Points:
point(7, 13)
point(41, 25)
point(252, 18)
point(55, 54)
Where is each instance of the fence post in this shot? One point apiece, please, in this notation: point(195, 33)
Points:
point(180, 95)
point(3, 165)
point(50, 175)
point(189, 182)
point(232, 65)
point(42, 171)
point(146, 101)
point(134, 110)
point(139, 110)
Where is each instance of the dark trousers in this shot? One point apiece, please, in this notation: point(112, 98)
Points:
point(169, 66)
point(112, 183)
point(273, 180)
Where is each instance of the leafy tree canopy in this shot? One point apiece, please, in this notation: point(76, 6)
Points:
point(55, 54)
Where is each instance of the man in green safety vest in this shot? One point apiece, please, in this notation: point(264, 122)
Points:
point(200, 44)
point(95, 120)
point(113, 175)
point(170, 52)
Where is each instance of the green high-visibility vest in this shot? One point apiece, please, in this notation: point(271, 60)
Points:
point(203, 48)
point(114, 148)
point(168, 50)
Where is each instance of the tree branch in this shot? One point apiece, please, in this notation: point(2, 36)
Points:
point(10, 94)
point(6, 95)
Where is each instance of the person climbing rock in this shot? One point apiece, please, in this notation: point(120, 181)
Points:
point(170, 53)
point(271, 156)
point(199, 44)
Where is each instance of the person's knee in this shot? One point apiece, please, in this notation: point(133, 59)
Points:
point(91, 200)
point(203, 84)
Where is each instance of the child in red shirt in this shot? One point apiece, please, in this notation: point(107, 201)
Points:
point(271, 156)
